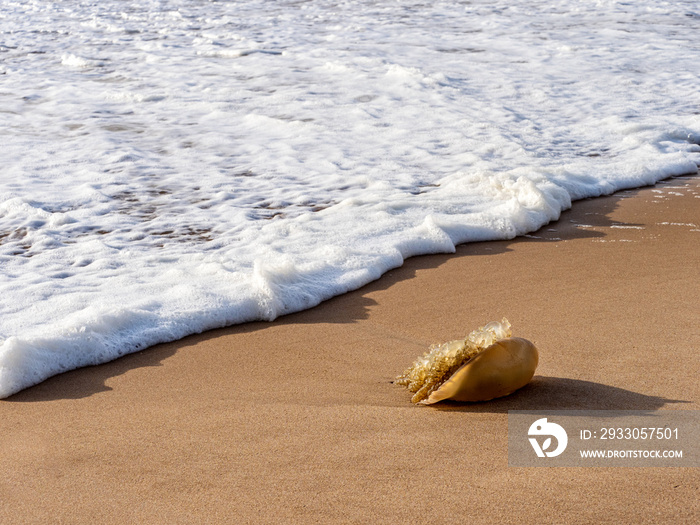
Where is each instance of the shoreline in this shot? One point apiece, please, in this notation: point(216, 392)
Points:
point(297, 420)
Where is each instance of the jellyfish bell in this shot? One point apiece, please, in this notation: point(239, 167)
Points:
point(487, 364)
point(501, 369)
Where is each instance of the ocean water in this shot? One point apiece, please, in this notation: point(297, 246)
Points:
point(170, 167)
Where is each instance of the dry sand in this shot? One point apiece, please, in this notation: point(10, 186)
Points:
point(297, 421)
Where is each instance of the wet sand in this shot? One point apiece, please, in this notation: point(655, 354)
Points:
point(297, 421)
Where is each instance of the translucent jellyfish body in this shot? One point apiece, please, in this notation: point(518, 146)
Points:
point(487, 364)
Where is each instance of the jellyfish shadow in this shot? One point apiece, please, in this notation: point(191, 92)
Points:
point(560, 393)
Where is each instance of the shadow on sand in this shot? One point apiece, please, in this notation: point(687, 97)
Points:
point(560, 393)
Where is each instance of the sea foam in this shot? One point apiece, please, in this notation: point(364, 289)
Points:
point(174, 167)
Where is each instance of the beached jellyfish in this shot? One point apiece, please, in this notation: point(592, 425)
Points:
point(487, 364)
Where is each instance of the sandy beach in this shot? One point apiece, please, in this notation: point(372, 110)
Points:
point(298, 421)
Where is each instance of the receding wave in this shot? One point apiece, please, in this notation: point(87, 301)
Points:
point(167, 171)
